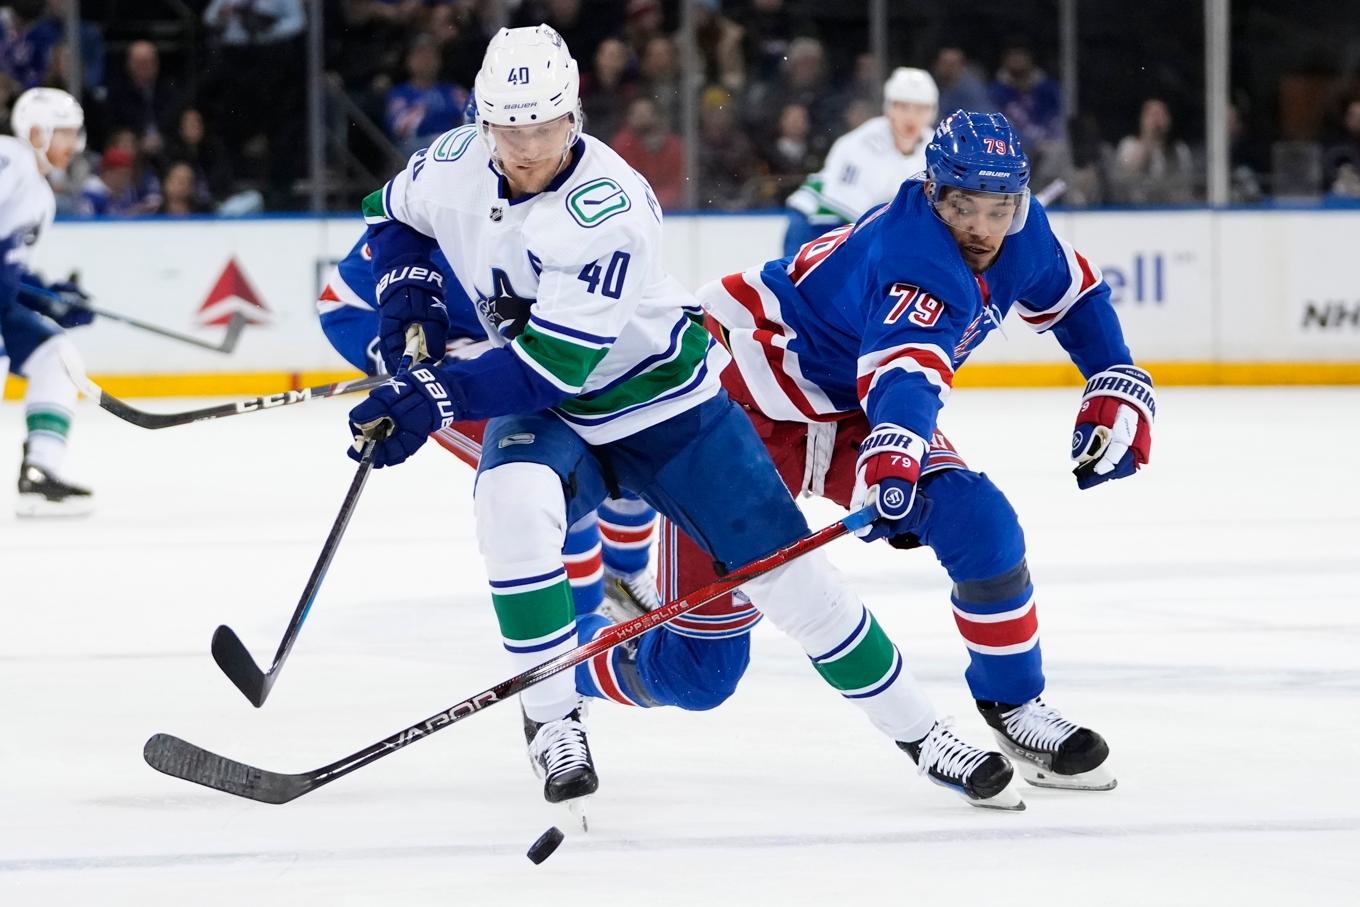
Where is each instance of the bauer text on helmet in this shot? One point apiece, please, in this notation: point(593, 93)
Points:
point(978, 183)
point(527, 101)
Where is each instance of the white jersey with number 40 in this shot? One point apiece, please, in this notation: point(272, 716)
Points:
point(571, 278)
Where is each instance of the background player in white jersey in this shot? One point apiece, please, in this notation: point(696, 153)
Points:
point(49, 129)
point(600, 379)
point(866, 166)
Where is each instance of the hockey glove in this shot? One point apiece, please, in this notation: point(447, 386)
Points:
point(1113, 435)
point(412, 295)
point(65, 302)
point(401, 414)
point(886, 474)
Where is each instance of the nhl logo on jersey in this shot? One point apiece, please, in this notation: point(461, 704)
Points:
point(497, 212)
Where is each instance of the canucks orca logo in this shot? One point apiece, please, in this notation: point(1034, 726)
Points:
point(505, 309)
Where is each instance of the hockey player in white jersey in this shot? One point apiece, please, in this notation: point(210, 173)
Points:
point(866, 166)
point(601, 379)
point(49, 129)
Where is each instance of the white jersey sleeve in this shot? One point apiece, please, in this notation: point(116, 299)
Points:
point(27, 204)
point(864, 168)
point(403, 199)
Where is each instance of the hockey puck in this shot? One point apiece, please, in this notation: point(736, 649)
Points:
point(546, 844)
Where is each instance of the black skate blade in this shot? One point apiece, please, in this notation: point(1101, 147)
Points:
point(181, 759)
point(234, 659)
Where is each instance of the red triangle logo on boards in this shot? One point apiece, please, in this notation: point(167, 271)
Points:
point(231, 294)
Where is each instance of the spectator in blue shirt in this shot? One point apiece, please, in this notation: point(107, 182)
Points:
point(423, 107)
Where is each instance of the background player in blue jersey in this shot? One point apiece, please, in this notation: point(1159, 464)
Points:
point(845, 353)
point(607, 552)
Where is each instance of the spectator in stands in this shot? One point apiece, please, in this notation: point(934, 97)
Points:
point(204, 152)
point(608, 87)
point(1244, 185)
point(1033, 103)
point(1152, 167)
point(117, 191)
point(644, 23)
point(24, 45)
point(143, 101)
point(719, 44)
point(180, 191)
point(1343, 159)
point(423, 107)
point(51, 32)
point(462, 30)
point(258, 79)
point(649, 146)
point(802, 82)
point(728, 163)
point(768, 30)
point(792, 153)
point(961, 88)
point(661, 78)
point(583, 25)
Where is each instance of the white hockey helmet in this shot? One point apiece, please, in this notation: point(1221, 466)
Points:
point(911, 86)
point(47, 109)
point(527, 77)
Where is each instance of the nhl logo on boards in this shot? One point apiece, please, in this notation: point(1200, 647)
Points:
point(497, 212)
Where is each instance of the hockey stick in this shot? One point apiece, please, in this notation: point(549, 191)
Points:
point(228, 343)
point(1050, 193)
point(182, 759)
point(228, 651)
point(144, 419)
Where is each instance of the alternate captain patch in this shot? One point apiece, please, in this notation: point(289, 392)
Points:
point(597, 201)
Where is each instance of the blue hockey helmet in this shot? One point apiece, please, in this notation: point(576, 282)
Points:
point(979, 153)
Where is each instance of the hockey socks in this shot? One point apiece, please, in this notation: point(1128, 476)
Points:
point(583, 558)
point(626, 524)
point(537, 617)
point(808, 600)
point(1000, 627)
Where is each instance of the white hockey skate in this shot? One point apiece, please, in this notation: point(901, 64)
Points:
point(1049, 750)
point(629, 595)
point(981, 777)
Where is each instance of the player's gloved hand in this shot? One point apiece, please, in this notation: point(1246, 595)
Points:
point(401, 414)
point(1113, 434)
point(69, 309)
point(886, 474)
point(412, 295)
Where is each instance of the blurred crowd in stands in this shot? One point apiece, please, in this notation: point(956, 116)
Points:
point(197, 106)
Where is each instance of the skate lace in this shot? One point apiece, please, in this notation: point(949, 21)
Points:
point(560, 746)
point(1037, 726)
point(946, 754)
point(642, 587)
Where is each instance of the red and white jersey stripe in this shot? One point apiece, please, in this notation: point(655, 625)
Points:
point(1084, 278)
point(1006, 633)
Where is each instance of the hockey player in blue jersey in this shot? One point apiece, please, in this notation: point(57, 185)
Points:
point(599, 380)
point(606, 553)
point(844, 355)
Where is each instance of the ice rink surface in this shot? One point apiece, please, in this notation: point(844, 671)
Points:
point(1204, 616)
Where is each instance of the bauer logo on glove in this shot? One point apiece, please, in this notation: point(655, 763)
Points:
point(1113, 437)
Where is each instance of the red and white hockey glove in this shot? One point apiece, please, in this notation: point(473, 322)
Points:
point(887, 471)
point(1113, 437)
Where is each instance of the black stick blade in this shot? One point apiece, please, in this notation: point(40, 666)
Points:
point(235, 661)
point(181, 759)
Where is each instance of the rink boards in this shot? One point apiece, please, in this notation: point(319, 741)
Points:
point(1226, 297)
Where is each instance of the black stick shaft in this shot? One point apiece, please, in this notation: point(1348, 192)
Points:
point(143, 419)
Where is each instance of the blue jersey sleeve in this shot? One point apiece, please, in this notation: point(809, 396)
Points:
point(906, 369)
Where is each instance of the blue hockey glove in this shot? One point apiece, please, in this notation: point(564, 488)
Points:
point(1113, 436)
point(886, 474)
point(412, 295)
point(63, 302)
point(401, 414)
